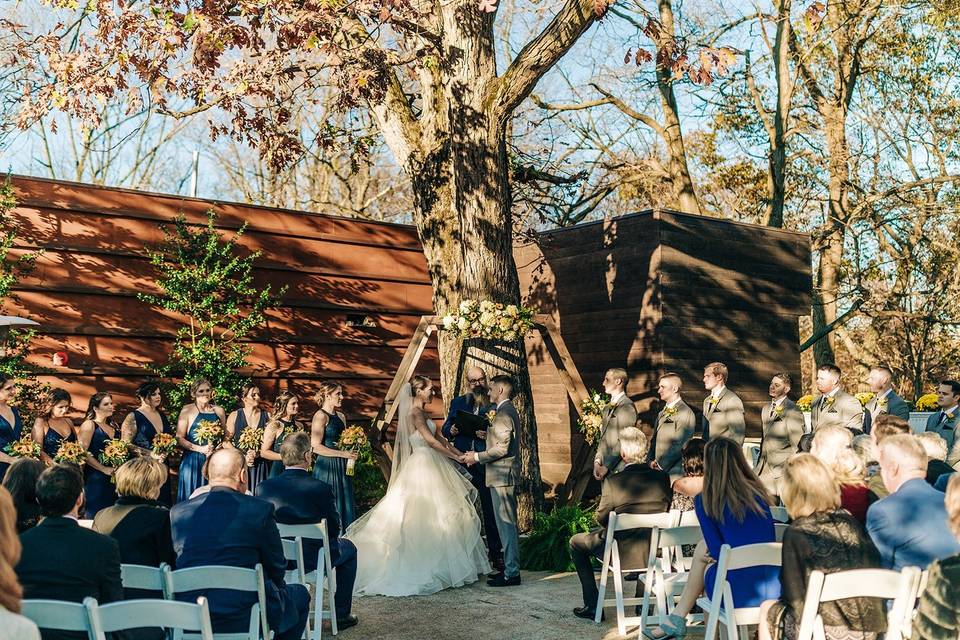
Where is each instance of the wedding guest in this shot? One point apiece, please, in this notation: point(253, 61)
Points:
point(11, 426)
point(936, 450)
point(95, 431)
point(688, 487)
point(636, 488)
point(281, 423)
point(62, 560)
point(249, 414)
point(733, 509)
point(909, 526)
point(822, 536)
point(477, 401)
point(938, 617)
point(15, 626)
point(225, 527)
point(782, 427)
point(53, 427)
point(722, 409)
point(142, 425)
point(855, 495)
point(620, 414)
point(21, 482)
point(828, 442)
point(299, 498)
point(885, 400)
point(195, 453)
point(834, 406)
point(884, 427)
point(330, 464)
point(944, 422)
point(676, 424)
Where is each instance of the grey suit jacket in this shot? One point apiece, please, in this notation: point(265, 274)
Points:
point(616, 417)
point(503, 463)
point(845, 411)
point(725, 417)
point(672, 432)
point(946, 427)
point(781, 435)
point(894, 406)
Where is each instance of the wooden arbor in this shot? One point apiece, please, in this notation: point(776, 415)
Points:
point(553, 342)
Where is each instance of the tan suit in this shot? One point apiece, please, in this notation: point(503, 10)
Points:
point(617, 416)
point(782, 430)
point(724, 417)
point(674, 429)
point(842, 411)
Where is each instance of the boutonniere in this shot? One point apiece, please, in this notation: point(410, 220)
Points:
point(491, 415)
point(778, 411)
point(828, 401)
point(712, 402)
point(670, 412)
point(950, 416)
point(882, 402)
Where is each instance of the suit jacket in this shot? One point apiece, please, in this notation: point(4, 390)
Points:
point(724, 417)
point(461, 442)
point(893, 405)
point(619, 416)
point(845, 411)
point(299, 498)
point(63, 561)
point(671, 433)
point(636, 488)
point(141, 528)
point(503, 463)
point(910, 527)
point(946, 427)
point(781, 435)
point(224, 527)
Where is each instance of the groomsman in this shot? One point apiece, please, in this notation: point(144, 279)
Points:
point(834, 406)
point(885, 399)
point(619, 414)
point(944, 422)
point(477, 399)
point(676, 424)
point(783, 427)
point(722, 409)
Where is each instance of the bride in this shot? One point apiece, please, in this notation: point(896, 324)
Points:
point(424, 535)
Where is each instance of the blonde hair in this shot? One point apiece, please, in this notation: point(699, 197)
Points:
point(952, 502)
point(808, 487)
point(281, 404)
point(418, 383)
point(10, 589)
point(141, 477)
point(728, 481)
point(848, 468)
point(326, 389)
point(829, 441)
point(933, 444)
point(633, 445)
point(619, 374)
point(196, 384)
point(718, 369)
point(675, 377)
point(906, 450)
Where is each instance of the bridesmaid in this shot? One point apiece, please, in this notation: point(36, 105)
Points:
point(202, 408)
point(142, 424)
point(283, 422)
point(249, 413)
point(330, 464)
point(95, 430)
point(10, 423)
point(53, 426)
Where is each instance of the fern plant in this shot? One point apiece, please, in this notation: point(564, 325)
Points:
point(547, 548)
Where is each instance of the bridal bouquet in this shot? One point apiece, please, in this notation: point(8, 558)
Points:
point(25, 447)
point(353, 439)
point(592, 419)
point(250, 439)
point(209, 432)
point(805, 403)
point(115, 453)
point(164, 444)
point(72, 452)
point(491, 320)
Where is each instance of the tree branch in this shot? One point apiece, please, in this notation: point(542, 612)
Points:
point(550, 106)
point(636, 115)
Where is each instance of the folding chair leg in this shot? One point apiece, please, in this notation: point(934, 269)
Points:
point(602, 591)
point(331, 586)
point(618, 593)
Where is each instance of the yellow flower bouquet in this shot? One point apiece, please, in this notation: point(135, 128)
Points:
point(250, 439)
point(164, 444)
point(353, 439)
point(592, 418)
point(72, 452)
point(115, 453)
point(805, 403)
point(209, 432)
point(864, 397)
point(927, 402)
point(25, 447)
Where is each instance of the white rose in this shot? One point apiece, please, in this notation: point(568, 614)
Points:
point(512, 310)
point(487, 319)
point(510, 335)
point(505, 324)
point(486, 305)
point(462, 324)
point(465, 306)
point(449, 322)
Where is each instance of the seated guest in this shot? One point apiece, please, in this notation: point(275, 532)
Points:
point(828, 442)
point(855, 496)
point(14, 625)
point(885, 426)
point(21, 482)
point(733, 509)
point(806, 441)
point(226, 527)
point(62, 560)
point(936, 448)
point(299, 498)
point(636, 488)
point(938, 617)
point(909, 526)
point(821, 537)
point(686, 488)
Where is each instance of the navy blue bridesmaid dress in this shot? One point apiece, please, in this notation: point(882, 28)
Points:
point(143, 438)
point(288, 427)
point(98, 489)
point(191, 467)
point(9, 433)
point(52, 440)
point(333, 471)
point(260, 470)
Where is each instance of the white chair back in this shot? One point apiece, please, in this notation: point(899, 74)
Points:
point(719, 605)
point(666, 573)
point(688, 518)
point(780, 514)
point(136, 614)
point(325, 574)
point(223, 577)
point(57, 615)
point(86, 524)
point(293, 551)
point(138, 576)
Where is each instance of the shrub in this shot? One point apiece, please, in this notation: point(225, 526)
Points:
point(547, 548)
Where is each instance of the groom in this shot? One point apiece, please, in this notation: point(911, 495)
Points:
point(503, 471)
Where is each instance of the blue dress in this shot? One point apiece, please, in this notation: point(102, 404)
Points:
point(260, 470)
point(9, 433)
point(191, 467)
point(752, 585)
point(52, 440)
point(143, 438)
point(289, 426)
point(98, 489)
point(333, 471)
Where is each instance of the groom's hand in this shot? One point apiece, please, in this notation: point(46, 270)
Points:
point(599, 471)
point(481, 434)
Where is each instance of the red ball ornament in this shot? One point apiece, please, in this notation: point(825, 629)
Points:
point(60, 359)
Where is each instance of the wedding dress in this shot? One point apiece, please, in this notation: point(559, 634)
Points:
point(424, 534)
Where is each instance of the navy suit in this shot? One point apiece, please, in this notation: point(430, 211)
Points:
point(910, 527)
point(224, 527)
point(299, 498)
point(477, 471)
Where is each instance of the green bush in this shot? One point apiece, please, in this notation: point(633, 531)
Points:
point(369, 485)
point(547, 548)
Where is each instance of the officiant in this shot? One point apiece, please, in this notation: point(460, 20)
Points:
point(476, 402)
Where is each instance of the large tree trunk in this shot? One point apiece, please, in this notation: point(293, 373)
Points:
point(777, 171)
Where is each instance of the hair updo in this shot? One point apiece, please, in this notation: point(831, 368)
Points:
point(418, 383)
point(326, 390)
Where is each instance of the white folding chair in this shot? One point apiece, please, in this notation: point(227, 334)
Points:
point(720, 607)
point(293, 552)
point(136, 614)
point(899, 586)
point(57, 615)
point(688, 518)
point(325, 575)
point(223, 577)
point(611, 561)
point(86, 524)
point(780, 514)
point(667, 570)
point(138, 576)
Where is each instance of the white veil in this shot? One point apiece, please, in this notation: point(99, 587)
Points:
point(401, 445)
